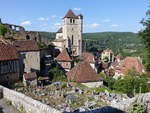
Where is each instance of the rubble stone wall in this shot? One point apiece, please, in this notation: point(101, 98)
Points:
point(142, 98)
point(93, 84)
point(28, 104)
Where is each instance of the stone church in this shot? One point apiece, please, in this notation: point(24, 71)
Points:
point(70, 34)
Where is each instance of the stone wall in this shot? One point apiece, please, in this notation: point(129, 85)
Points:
point(142, 98)
point(28, 104)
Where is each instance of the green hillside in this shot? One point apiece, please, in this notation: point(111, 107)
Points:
point(125, 43)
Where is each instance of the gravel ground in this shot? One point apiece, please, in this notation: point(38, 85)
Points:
point(5, 108)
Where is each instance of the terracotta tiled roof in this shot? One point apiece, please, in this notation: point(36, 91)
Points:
point(29, 76)
point(70, 14)
point(7, 52)
point(82, 72)
point(133, 62)
point(26, 45)
point(63, 56)
point(130, 63)
point(60, 30)
point(88, 57)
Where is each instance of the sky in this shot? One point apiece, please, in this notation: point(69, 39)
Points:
point(99, 15)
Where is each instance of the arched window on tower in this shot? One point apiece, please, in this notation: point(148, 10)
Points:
point(70, 20)
point(72, 40)
point(28, 37)
point(73, 20)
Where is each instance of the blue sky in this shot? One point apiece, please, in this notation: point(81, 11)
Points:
point(99, 15)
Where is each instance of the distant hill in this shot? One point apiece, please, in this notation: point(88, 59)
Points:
point(125, 43)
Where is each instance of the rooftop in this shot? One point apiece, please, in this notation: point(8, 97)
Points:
point(26, 45)
point(83, 72)
point(7, 52)
point(63, 56)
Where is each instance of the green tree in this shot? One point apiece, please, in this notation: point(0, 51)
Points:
point(57, 74)
point(145, 34)
point(3, 30)
point(131, 85)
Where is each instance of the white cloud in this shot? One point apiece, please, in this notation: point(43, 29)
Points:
point(43, 25)
point(115, 25)
point(25, 23)
point(77, 9)
point(53, 16)
point(58, 25)
point(107, 20)
point(43, 19)
point(94, 25)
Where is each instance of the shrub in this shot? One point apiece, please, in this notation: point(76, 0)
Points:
point(137, 108)
point(57, 74)
point(131, 85)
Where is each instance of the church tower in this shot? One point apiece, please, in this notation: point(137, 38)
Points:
point(70, 35)
point(72, 32)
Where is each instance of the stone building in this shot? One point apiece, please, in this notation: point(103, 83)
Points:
point(70, 35)
point(83, 73)
point(18, 32)
point(107, 55)
point(9, 64)
point(29, 56)
point(64, 60)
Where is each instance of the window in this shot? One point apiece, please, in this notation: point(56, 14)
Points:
point(72, 39)
point(70, 20)
point(73, 21)
point(27, 37)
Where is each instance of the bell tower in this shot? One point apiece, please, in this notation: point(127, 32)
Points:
point(72, 32)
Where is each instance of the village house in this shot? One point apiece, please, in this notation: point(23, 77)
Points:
point(90, 58)
point(121, 68)
point(107, 55)
point(85, 74)
point(9, 63)
point(30, 79)
point(70, 35)
point(29, 56)
point(64, 60)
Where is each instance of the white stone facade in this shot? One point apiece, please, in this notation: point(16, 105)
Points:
point(71, 34)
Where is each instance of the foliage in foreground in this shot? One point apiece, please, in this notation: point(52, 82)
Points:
point(129, 84)
point(145, 34)
point(137, 108)
point(57, 74)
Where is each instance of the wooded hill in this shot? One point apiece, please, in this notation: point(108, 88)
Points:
point(124, 43)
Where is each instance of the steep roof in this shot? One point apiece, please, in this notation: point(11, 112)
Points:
point(60, 30)
point(63, 56)
point(70, 14)
point(82, 72)
point(29, 76)
point(88, 57)
point(26, 45)
point(7, 52)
